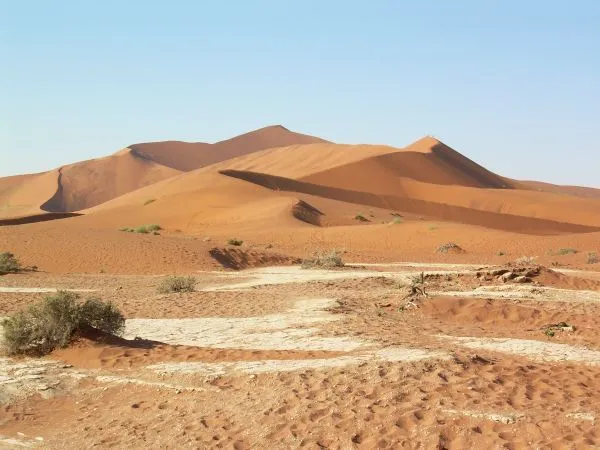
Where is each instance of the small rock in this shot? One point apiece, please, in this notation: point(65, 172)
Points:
point(522, 279)
point(507, 276)
point(497, 272)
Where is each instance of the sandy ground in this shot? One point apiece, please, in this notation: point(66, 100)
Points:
point(283, 357)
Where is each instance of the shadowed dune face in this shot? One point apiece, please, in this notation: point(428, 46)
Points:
point(90, 183)
point(433, 210)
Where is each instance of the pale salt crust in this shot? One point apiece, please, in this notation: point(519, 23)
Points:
point(285, 331)
point(537, 350)
point(516, 291)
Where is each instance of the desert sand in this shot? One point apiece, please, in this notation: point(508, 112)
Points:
point(466, 315)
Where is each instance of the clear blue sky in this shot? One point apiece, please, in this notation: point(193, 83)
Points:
point(514, 85)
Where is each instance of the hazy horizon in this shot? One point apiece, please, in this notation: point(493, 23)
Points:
point(513, 87)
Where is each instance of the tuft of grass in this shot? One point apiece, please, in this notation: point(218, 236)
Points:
point(235, 242)
point(9, 263)
point(361, 218)
point(143, 229)
point(549, 332)
point(566, 251)
point(396, 221)
point(150, 200)
point(177, 284)
point(327, 260)
point(500, 253)
point(592, 258)
point(52, 322)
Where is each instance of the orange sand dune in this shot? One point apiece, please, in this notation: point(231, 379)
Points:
point(426, 177)
point(186, 156)
point(414, 205)
point(89, 183)
point(22, 195)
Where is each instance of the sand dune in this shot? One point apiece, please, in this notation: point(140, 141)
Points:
point(89, 183)
point(22, 195)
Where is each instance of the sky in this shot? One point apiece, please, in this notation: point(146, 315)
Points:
point(513, 85)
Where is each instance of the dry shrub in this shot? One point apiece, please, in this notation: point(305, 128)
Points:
point(177, 284)
point(52, 322)
point(9, 263)
point(525, 260)
point(327, 260)
point(450, 247)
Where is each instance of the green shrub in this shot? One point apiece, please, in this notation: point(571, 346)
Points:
point(9, 263)
point(143, 229)
point(52, 322)
point(325, 260)
point(101, 315)
point(236, 242)
point(397, 221)
point(177, 284)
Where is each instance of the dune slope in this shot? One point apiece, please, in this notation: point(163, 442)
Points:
point(186, 156)
point(89, 183)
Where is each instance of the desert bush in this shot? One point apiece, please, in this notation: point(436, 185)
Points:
point(235, 242)
point(52, 322)
point(361, 218)
point(328, 260)
point(396, 221)
point(9, 263)
point(150, 200)
point(592, 258)
point(143, 229)
point(101, 315)
point(450, 247)
point(177, 284)
point(525, 260)
point(566, 251)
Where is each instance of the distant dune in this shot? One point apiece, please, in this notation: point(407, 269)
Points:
point(89, 183)
point(274, 179)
